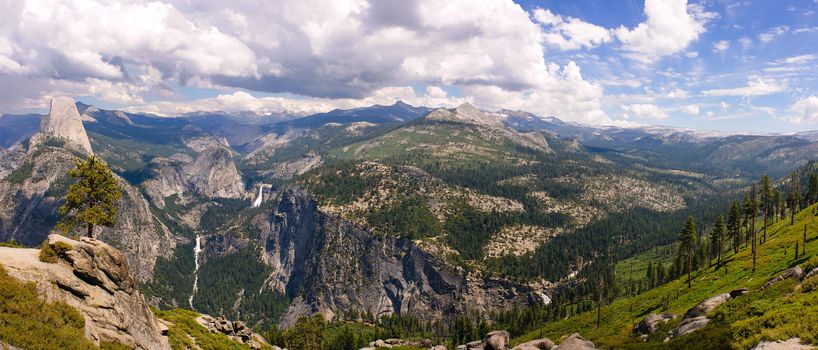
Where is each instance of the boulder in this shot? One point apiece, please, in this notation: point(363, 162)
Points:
point(496, 340)
point(811, 273)
point(438, 347)
point(707, 305)
point(689, 325)
point(696, 317)
point(476, 345)
point(650, 323)
point(576, 342)
point(790, 344)
point(738, 292)
point(794, 272)
point(538, 344)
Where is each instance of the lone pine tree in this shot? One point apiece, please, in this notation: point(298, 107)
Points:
point(92, 199)
point(687, 246)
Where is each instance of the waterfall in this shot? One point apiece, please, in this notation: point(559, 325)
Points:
point(257, 202)
point(196, 250)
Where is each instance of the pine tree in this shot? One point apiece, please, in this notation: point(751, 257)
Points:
point(812, 192)
point(776, 206)
point(794, 197)
point(766, 201)
point(717, 238)
point(92, 199)
point(750, 209)
point(687, 246)
point(753, 210)
point(734, 225)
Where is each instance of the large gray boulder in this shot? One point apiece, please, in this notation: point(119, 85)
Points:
point(650, 323)
point(497, 340)
point(795, 273)
point(576, 342)
point(537, 344)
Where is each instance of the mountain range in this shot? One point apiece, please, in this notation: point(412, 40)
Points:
point(384, 210)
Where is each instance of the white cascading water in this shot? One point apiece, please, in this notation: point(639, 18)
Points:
point(196, 250)
point(257, 202)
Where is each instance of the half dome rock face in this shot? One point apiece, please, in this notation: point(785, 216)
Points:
point(64, 121)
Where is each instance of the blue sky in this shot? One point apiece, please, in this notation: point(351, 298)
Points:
point(775, 42)
point(732, 65)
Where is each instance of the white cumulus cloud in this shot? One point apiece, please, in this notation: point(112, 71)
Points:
point(758, 87)
point(570, 33)
point(805, 110)
point(670, 27)
point(644, 110)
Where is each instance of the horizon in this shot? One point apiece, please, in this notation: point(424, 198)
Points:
point(727, 66)
point(45, 111)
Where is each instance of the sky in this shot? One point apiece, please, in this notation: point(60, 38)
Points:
point(727, 65)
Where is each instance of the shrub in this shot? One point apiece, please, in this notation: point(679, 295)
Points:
point(810, 284)
point(10, 244)
point(50, 252)
point(810, 264)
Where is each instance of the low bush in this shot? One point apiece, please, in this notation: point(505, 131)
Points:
point(810, 284)
point(810, 264)
point(50, 252)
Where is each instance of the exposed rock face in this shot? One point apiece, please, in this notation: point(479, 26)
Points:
point(790, 344)
point(213, 173)
point(696, 317)
point(235, 330)
point(795, 273)
point(650, 323)
point(94, 278)
point(328, 264)
point(64, 121)
point(29, 210)
point(465, 113)
point(576, 342)
point(538, 344)
point(497, 340)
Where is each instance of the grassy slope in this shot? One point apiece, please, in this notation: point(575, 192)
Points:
point(186, 333)
point(776, 314)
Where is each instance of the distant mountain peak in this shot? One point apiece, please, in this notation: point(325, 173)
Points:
point(465, 113)
point(64, 121)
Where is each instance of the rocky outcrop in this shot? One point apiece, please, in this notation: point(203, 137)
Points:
point(696, 317)
point(465, 113)
point(326, 264)
point(63, 121)
point(497, 340)
point(790, 344)
point(29, 205)
point(576, 342)
point(650, 323)
point(213, 174)
point(94, 278)
point(537, 344)
point(795, 273)
point(235, 330)
point(399, 343)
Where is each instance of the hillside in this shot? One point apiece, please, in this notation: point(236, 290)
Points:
point(787, 309)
